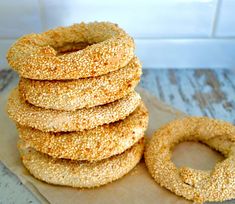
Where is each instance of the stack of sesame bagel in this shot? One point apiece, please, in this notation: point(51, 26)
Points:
point(80, 121)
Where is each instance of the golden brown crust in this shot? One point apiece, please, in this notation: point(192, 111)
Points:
point(199, 186)
point(39, 56)
point(88, 92)
point(56, 121)
point(80, 173)
point(91, 145)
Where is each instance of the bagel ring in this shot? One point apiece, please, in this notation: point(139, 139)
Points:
point(62, 121)
point(197, 185)
point(81, 174)
point(78, 51)
point(96, 144)
point(80, 93)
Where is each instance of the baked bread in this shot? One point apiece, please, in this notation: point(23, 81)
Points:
point(73, 52)
point(62, 121)
point(82, 93)
point(96, 144)
point(81, 174)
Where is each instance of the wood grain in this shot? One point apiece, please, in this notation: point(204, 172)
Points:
point(197, 92)
point(6, 76)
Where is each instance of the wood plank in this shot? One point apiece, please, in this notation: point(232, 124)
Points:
point(6, 77)
point(196, 92)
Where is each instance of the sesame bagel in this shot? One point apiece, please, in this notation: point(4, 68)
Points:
point(96, 144)
point(81, 174)
point(80, 93)
point(56, 121)
point(78, 51)
point(200, 186)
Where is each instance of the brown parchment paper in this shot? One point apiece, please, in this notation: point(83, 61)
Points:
point(136, 187)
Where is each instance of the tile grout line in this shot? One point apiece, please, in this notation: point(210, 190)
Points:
point(42, 16)
point(216, 18)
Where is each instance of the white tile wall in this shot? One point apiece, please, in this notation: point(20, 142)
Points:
point(226, 19)
point(19, 17)
point(187, 53)
point(168, 33)
point(141, 18)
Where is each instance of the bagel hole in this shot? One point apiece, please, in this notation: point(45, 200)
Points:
point(195, 155)
point(71, 47)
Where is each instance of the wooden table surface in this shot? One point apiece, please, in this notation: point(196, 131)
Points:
point(194, 91)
